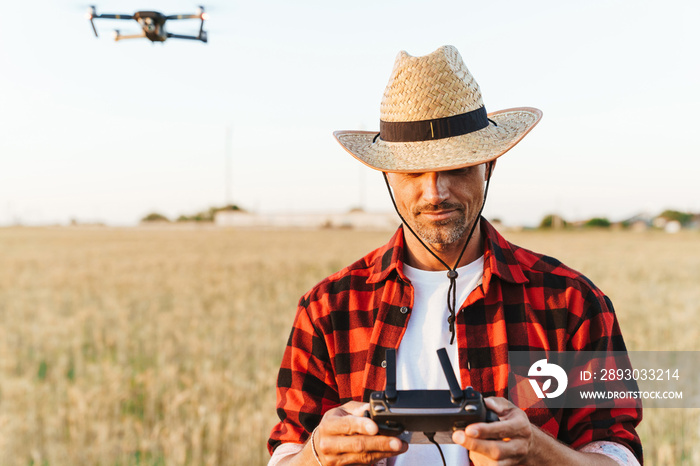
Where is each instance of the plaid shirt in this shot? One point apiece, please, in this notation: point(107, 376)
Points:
point(526, 301)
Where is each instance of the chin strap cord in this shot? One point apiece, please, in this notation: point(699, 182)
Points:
point(451, 271)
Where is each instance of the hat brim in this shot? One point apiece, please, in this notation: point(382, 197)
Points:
point(450, 153)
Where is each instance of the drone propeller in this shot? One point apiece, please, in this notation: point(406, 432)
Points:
point(202, 13)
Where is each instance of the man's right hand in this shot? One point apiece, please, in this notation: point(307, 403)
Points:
point(346, 437)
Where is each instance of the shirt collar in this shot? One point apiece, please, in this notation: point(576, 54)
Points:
point(499, 257)
point(387, 258)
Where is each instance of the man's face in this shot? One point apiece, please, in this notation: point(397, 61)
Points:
point(440, 206)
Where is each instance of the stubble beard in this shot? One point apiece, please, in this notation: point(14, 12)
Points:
point(443, 232)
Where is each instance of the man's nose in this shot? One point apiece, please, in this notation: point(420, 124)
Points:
point(435, 189)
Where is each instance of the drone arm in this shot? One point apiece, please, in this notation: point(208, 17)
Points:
point(93, 26)
point(113, 16)
point(92, 15)
point(183, 17)
point(200, 15)
point(118, 36)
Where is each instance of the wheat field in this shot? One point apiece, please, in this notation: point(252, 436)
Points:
point(160, 346)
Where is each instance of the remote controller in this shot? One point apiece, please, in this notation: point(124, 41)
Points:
point(409, 414)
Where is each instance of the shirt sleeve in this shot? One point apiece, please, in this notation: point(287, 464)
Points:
point(612, 450)
point(283, 452)
point(306, 387)
point(599, 331)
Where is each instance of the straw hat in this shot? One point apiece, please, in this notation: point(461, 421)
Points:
point(433, 118)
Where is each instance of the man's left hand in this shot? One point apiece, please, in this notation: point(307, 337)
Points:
point(507, 442)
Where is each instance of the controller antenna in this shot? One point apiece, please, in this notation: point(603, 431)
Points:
point(456, 392)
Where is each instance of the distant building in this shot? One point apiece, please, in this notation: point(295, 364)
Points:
point(660, 222)
point(639, 222)
point(673, 226)
point(639, 225)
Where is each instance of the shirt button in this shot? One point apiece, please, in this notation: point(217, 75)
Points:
point(384, 364)
point(404, 310)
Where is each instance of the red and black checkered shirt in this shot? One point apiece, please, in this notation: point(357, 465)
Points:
point(526, 302)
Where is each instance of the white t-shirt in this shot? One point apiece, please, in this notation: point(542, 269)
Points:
point(417, 363)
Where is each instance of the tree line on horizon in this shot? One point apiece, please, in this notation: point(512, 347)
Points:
point(202, 216)
point(684, 220)
point(549, 221)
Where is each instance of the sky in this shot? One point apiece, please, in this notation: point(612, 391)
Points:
point(101, 131)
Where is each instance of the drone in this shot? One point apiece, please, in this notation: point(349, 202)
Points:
point(153, 25)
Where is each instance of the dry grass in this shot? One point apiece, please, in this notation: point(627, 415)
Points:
point(161, 346)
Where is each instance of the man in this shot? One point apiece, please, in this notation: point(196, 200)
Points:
point(437, 149)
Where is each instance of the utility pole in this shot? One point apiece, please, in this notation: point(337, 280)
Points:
point(228, 165)
point(362, 187)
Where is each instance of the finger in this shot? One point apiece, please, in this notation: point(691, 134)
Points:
point(358, 444)
point(339, 422)
point(496, 449)
point(516, 426)
point(350, 409)
point(513, 421)
point(355, 408)
point(498, 405)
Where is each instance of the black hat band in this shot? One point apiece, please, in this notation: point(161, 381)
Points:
point(439, 128)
